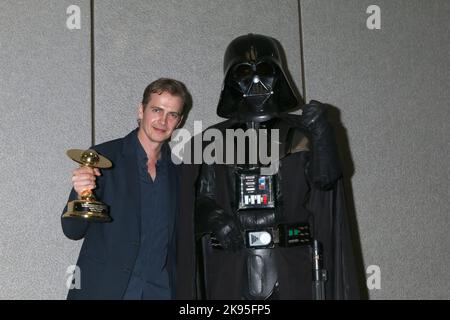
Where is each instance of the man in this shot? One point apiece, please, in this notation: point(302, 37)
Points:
point(260, 232)
point(133, 257)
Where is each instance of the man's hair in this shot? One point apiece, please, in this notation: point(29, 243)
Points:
point(172, 86)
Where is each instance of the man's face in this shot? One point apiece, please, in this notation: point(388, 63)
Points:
point(160, 116)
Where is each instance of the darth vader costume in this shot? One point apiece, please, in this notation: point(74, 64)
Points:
point(247, 232)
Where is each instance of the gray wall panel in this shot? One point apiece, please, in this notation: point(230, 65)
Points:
point(138, 41)
point(391, 87)
point(45, 109)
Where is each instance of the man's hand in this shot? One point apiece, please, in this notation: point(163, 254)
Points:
point(84, 179)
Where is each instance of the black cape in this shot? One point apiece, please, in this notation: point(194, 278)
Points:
point(325, 210)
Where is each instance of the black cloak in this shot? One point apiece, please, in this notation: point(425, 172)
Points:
point(323, 209)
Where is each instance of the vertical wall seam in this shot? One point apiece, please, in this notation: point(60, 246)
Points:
point(302, 57)
point(92, 74)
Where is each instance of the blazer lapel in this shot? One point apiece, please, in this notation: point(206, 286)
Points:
point(130, 176)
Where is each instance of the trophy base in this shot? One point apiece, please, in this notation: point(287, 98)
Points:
point(92, 211)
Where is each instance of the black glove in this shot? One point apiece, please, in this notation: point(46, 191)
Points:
point(324, 168)
point(314, 119)
point(226, 230)
point(212, 219)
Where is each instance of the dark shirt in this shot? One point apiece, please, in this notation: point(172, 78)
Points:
point(149, 279)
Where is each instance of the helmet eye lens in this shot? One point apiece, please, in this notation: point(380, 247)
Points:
point(264, 69)
point(242, 71)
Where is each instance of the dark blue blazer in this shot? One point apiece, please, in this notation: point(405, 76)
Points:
point(109, 250)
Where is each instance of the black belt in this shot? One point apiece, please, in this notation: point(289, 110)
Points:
point(283, 235)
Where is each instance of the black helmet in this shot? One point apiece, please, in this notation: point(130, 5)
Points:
point(255, 87)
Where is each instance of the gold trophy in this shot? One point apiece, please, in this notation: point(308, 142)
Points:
point(88, 208)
